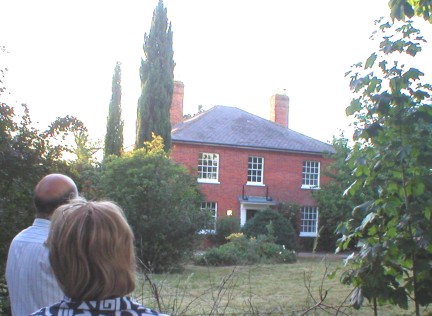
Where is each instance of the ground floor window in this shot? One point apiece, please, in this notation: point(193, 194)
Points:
point(210, 224)
point(309, 221)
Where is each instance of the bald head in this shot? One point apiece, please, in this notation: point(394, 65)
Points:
point(51, 192)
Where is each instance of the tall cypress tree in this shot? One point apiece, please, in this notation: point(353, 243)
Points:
point(157, 81)
point(114, 134)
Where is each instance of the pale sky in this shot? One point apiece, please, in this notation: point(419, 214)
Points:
point(227, 52)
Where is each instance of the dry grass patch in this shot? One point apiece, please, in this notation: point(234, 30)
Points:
point(278, 289)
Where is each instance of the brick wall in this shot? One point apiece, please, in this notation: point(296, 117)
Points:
point(282, 175)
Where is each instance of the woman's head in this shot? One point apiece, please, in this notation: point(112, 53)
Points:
point(91, 250)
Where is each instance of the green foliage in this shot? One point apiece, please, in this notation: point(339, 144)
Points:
point(157, 81)
point(394, 132)
point(226, 226)
point(26, 155)
point(5, 308)
point(272, 224)
point(161, 201)
point(200, 109)
point(291, 212)
point(401, 9)
point(335, 207)
point(87, 178)
point(2, 71)
point(114, 133)
point(22, 164)
point(68, 137)
point(241, 250)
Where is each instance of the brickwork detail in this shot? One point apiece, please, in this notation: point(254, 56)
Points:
point(279, 109)
point(176, 110)
point(282, 175)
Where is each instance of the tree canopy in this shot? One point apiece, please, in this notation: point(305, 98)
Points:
point(400, 9)
point(334, 206)
point(26, 155)
point(114, 133)
point(393, 114)
point(157, 81)
point(161, 201)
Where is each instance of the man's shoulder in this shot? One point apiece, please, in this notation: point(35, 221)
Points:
point(33, 234)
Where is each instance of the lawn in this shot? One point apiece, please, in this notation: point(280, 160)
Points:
point(279, 289)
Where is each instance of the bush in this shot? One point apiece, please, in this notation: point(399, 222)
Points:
point(226, 226)
point(161, 201)
point(241, 250)
point(273, 225)
point(5, 308)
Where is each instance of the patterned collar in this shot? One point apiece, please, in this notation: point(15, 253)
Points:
point(108, 306)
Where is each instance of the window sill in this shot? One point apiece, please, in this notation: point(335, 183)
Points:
point(208, 181)
point(304, 234)
point(310, 187)
point(255, 184)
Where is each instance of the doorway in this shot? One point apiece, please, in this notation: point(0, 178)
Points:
point(250, 213)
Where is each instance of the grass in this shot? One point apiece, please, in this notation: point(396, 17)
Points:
point(279, 289)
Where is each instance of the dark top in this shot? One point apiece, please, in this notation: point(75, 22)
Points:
point(120, 306)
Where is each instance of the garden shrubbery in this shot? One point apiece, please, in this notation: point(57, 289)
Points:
point(161, 201)
point(225, 227)
point(241, 250)
point(271, 223)
point(5, 308)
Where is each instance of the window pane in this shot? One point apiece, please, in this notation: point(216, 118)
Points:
point(311, 173)
point(255, 169)
point(309, 220)
point(208, 166)
point(210, 224)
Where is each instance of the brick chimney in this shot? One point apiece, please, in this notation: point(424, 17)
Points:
point(176, 110)
point(279, 109)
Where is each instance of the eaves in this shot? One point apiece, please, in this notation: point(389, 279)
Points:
point(282, 150)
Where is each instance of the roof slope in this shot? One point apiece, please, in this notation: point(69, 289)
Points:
point(230, 126)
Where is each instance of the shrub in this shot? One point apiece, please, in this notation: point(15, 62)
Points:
point(5, 308)
point(241, 250)
point(272, 224)
point(226, 226)
point(162, 203)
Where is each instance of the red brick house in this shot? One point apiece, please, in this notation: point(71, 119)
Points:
point(245, 163)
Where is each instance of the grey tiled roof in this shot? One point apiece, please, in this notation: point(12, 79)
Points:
point(230, 126)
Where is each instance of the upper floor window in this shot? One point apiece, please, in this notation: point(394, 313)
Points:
point(311, 174)
point(309, 221)
point(210, 224)
point(255, 170)
point(208, 167)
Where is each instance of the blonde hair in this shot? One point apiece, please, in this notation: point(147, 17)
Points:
point(91, 250)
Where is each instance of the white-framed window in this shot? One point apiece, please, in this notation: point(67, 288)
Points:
point(255, 170)
point(208, 167)
point(210, 224)
point(309, 221)
point(311, 174)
